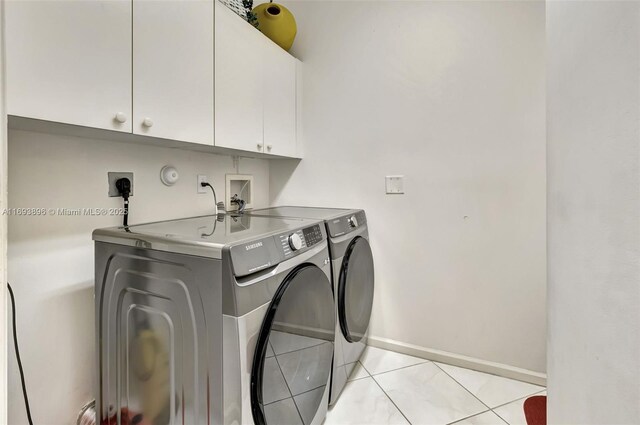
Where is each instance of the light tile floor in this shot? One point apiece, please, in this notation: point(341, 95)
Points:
point(391, 388)
point(291, 391)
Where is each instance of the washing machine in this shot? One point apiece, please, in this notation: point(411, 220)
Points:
point(352, 278)
point(214, 320)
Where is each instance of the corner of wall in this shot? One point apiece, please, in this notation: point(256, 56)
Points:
point(3, 228)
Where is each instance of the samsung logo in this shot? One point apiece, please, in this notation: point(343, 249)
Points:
point(253, 246)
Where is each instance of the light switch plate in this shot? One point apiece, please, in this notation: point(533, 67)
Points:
point(394, 184)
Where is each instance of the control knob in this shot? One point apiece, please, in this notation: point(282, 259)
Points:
point(295, 241)
point(353, 221)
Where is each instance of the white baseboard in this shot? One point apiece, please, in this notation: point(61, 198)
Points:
point(493, 368)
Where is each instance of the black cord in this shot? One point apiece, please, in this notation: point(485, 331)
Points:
point(125, 218)
point(215, 200)
point(15, 345)
point(124, 189)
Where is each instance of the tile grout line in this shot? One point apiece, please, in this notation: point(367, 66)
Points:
point(294, 396)
point(490, 408)
point(288, 388)
point(471, 416)
point(498, 415)
point(518, 399)
point(513, 401)
point(465, 388)
point(391, 400)
point(296, 350)
point(372, 376)
point(362, 377)
point(424, 361)
point(400, 368)
point(357, 379)
point(418, 364)
point(365, 369)
point(382, 389)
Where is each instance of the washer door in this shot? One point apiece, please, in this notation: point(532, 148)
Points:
point(355, 290)
point(292, 361)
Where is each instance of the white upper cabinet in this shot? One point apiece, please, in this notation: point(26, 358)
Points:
point(256, 89)
point(173, 45)
point(279, 101)
point(239, 83)
point(70, 61)
point(147, 67)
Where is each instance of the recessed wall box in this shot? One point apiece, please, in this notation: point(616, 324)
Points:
point(240, 185)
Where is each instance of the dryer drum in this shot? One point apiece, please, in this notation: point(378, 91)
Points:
point(355, 290)
point(293, 355)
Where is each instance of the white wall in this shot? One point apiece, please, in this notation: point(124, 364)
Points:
point(452, 95)
point(594, 212)
point(51, 257)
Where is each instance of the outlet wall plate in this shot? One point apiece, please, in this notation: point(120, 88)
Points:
point(242, 185)
point(202, 179)
point(394, 185)
point(115, 176)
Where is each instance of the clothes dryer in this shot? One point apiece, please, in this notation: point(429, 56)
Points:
point(352, 278)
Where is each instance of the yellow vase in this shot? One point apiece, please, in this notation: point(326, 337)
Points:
point(276, 22)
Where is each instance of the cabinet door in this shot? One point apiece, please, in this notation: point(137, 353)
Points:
point(279, 100)
point(173, 69)
point(70, 61)
point(239, 90)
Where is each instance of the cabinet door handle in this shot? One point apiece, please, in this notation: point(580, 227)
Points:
point(269, 147)
point(121, 117)
point(147, 122)
point(259, 145)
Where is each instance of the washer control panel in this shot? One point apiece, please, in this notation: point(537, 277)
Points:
point(295, 241)
point(291, 242)
point(301, 239)
point(312, 235)
point(250, 257)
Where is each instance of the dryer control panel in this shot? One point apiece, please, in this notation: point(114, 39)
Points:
point(346, 223)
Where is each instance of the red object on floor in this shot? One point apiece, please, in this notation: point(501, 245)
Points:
point(126, 418)
point(535, 410)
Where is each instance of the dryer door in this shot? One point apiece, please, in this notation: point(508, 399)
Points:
point(292, 361)
point(355, 290)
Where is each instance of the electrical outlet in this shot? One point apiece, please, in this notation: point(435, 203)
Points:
point(202, 179)
point(115, 176)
